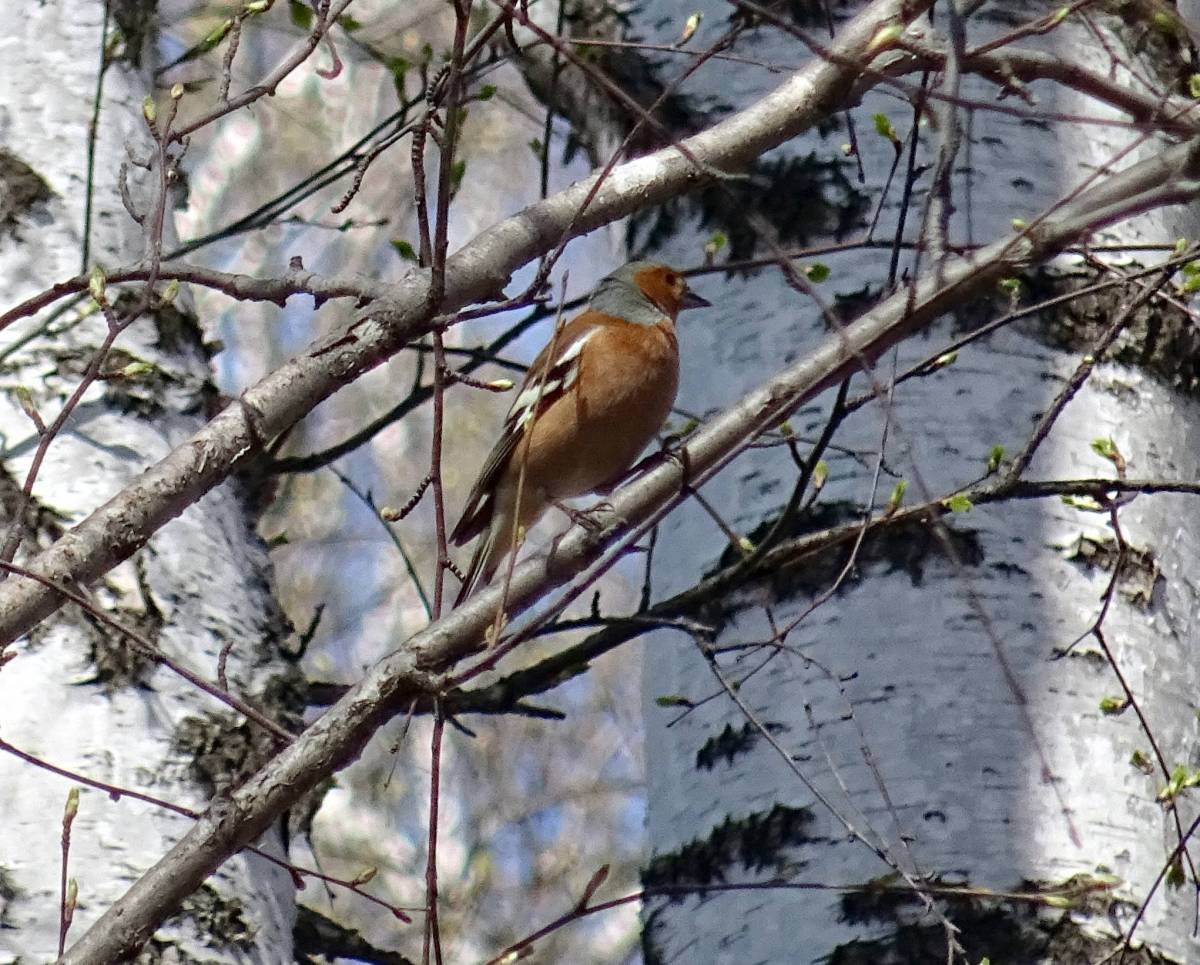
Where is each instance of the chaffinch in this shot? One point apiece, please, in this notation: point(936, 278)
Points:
point(601, 390)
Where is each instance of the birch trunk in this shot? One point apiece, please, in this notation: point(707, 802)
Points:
point(75, 694)
point(893, 698)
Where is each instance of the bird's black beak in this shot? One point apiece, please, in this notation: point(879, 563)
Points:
point(692, 300)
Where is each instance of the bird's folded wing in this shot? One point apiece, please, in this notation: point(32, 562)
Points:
point(545, 382)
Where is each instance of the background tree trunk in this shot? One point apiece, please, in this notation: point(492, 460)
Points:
point(922, 701)
point(76, 694)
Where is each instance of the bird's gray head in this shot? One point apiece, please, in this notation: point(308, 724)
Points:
point(644, 292)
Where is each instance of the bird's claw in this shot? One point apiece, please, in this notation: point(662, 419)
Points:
point(587, 518)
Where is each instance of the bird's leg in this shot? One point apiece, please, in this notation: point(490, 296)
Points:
point(587, 518)
point(671, 450)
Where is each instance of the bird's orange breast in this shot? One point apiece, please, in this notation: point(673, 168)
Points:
point(628, 376)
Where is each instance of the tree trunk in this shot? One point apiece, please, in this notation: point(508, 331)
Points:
point(921, 708)
point(77, 694)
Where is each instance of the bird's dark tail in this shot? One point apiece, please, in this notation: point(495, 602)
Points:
point(479, 570)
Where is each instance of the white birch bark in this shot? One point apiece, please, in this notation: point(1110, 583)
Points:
point(198, 586)
point(961, 759)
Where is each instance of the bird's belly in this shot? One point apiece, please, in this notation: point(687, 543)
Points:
point(606, 456)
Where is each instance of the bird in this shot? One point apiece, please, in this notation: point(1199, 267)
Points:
point(592, 400)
